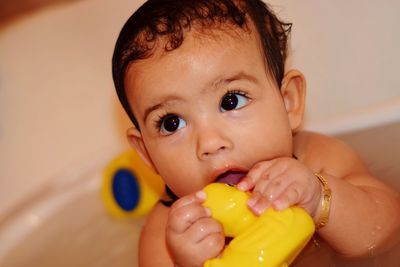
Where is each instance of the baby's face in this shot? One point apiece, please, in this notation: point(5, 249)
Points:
point(207, 111)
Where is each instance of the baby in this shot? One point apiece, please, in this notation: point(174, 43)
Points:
point(205, 85)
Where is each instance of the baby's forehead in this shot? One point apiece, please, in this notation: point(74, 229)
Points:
point(204, 57)
point(215, 39)
point(198, 33)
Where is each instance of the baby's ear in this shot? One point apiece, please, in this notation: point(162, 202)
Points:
point(135, 139)
point(293, 91)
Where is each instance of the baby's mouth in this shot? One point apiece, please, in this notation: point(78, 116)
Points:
point(230, 177)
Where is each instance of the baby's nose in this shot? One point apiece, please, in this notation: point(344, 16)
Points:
point(212, 142)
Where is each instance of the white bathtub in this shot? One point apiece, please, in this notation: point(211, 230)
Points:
point(65, 224)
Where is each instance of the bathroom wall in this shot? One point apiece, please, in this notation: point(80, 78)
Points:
point(59, 114)
point(348, 51)
point(58, 111)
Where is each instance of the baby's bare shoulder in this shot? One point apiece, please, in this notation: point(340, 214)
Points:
point(327, 154)
point(310, 142)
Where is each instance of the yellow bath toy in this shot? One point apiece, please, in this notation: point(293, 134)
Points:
point(273, 239)
point(130, 188)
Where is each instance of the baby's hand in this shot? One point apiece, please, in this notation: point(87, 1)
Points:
point(281, 183)
point(192, 235)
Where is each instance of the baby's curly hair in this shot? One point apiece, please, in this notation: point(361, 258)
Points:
point(166, 22)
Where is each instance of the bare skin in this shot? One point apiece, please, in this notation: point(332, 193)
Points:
point(353, 240)
point(211, 106)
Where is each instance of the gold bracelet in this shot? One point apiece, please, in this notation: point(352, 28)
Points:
point(325, 202)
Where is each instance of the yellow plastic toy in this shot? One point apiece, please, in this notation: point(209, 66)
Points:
point(130, 188)
point(273, 239)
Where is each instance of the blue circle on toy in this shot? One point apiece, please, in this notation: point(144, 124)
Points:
point(126, 190)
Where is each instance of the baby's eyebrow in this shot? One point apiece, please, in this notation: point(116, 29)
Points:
point(237, 76)
point(163, 101)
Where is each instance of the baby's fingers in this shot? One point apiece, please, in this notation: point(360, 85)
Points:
point(286, 200)
point(212, 245)
point(258, 172)
point(196, 197)
point(265, 194)
point(185, 212)
point(205, 227)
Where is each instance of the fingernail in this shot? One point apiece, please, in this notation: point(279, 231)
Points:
point(242, 186)
point(258, 208)
point(201, 195)
point(279, 204)
point(252, 201)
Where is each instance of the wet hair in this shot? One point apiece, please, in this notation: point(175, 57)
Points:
point(165, 23)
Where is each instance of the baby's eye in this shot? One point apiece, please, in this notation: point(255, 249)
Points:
point(171, 123)
point(233, 100)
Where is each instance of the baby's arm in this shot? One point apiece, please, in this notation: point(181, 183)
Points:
point(364, 212)
point(152, 246)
